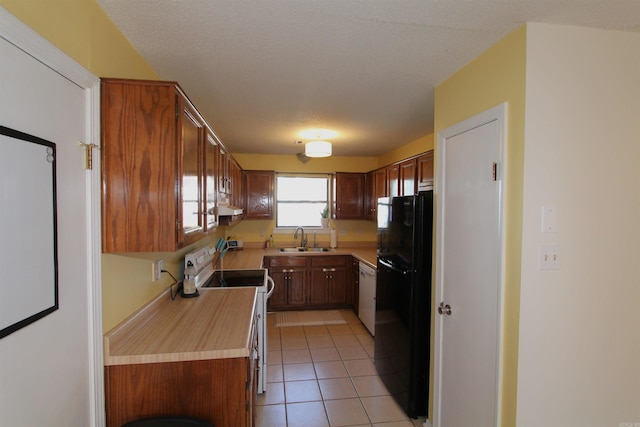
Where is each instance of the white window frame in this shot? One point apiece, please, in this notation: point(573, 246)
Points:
point(290, 229)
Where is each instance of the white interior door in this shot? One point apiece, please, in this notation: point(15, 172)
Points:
point(51, 370)
point(468, 285)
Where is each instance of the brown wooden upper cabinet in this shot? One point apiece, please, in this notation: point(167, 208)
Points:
point(348, 190)
point(425, 171)
point(210, 176)
point(152, 149)
point(190, 190)
point(399, 179)
point(235, 184)
point(259, 194)
point(393, 180)
point(376, 187)
point(224, 185)
point(407, 179)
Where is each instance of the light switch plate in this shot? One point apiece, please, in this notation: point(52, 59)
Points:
point(549, 258)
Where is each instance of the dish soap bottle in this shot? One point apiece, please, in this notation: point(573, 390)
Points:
point(271, 245)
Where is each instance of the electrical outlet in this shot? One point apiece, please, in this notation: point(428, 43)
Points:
point(549, 258)
point(156, 271)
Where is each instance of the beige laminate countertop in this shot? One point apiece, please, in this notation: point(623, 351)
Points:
point(252, 257)
point(215, 325)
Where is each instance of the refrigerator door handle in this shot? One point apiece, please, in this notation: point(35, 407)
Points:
point(391, 267)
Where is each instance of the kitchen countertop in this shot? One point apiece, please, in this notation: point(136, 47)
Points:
point(252, 257)
point(215, 325)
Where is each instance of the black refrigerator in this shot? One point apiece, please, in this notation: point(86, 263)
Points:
point(403, 299)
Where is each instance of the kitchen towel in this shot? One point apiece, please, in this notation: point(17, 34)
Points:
point(334, 238)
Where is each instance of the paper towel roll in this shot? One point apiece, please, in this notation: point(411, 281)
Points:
point(334, 238)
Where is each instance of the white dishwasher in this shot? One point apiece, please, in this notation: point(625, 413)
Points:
point(367, 297)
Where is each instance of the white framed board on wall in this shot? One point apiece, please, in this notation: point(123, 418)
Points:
point(28, 231)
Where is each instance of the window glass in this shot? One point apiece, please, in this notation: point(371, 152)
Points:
point(300, 200)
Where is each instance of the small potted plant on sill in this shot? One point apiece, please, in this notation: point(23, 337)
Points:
point(324, 217)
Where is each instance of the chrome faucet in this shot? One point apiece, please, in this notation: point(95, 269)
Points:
point(303, 241)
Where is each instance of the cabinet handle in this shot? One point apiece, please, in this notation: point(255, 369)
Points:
point(328, 269)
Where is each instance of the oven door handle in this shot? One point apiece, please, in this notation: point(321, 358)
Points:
point(273, 286)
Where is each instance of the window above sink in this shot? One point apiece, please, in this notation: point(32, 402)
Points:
point(300, 199)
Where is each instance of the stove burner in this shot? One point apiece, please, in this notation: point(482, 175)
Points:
point(236, 278)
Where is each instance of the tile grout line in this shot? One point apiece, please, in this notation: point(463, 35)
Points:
point(354, 332)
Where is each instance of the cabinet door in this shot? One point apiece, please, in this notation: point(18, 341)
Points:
point(236, 197)
point(259, 189)
point(209, 180)
point(223, 171)
point(297, 287)
point(251, 396)
point(377, 187)
point(319, 287)
point(328, 284)
point(289, 274)
point(393, 180)
point(190, 188)
point(329, 287)
point(408, 177)
point(338, 286)
point(349, 195)
point(368, 196)
point(425, 171)
point(278, 298)
point(138, 209)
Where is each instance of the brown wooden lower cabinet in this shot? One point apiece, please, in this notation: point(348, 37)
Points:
point(310, 282)
point(221, 391)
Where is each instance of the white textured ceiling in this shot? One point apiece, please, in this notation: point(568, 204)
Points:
point(261, 71)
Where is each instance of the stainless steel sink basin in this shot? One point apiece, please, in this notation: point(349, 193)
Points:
point(297, 249)
point(302, 249)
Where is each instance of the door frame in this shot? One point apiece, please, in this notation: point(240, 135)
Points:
point(23, 37)
point(498, 114)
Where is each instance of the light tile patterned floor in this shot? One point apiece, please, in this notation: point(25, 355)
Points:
point(323, 376)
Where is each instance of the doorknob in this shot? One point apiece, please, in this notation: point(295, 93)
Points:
point(444, 309)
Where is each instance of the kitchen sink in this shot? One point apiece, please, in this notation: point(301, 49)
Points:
point(304, 249)
point(298, 249)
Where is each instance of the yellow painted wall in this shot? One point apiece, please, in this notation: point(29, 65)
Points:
point(82, 30)
point(497, 76)
point(579, 362)
point(349, 231)
point(282, 163)
point(411, 149)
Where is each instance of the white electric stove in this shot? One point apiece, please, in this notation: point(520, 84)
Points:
point(199, 269)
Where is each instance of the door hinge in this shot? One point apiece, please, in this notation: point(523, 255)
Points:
point(88, 154)
point(494, 171)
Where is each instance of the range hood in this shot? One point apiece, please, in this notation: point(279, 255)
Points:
point(228, 210)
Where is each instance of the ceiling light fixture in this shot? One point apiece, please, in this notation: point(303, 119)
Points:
point(317, 149)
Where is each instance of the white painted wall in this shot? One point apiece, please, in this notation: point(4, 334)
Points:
point(51, 370)
point(579, 350)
